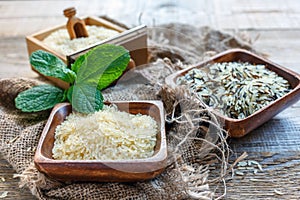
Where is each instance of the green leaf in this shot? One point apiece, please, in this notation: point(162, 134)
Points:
point(79, 61)
point(70, 93)
point(49, 65)
point(102, 65)
point(37, 98)
point(86, 98)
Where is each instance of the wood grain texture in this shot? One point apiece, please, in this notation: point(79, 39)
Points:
point(278, 180)
point(25, 19)
point(10, 184)
point(276, 144)
point(14, 58)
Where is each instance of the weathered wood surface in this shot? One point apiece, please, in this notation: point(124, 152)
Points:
point(277, 25)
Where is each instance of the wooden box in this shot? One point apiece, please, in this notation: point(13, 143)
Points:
point(134, 40)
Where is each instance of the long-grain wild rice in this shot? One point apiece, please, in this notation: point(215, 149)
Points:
point(236, 89)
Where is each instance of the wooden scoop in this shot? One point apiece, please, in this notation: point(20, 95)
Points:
point(75, 25)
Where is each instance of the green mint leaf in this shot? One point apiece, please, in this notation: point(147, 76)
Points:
point(38, 98)
point(78, 62)
point(65, 95)
point(86, 98)
point(49, 65)
point(102, 65)
point(70, 93)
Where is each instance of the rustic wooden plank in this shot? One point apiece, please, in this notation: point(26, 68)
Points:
point(282, 47)
point(232, 14)
point(10, 184)
point(257, 14)
point(14, 58)
point(255, 6)
point(30, 9)
point(258, 21)
point(13, 9)
point(280, 134)
point(25, 26)
point(280, 174)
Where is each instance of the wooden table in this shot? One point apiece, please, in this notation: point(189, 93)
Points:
point(275, 24)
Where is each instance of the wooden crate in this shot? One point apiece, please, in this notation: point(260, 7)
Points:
point(134, 40)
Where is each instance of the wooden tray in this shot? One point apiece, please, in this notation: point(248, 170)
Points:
point(240, 127)
point(134, 40)
point(97, 170)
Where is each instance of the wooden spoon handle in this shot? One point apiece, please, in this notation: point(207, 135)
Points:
point(76, 26)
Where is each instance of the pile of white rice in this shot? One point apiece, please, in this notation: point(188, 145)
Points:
point(60, 40)
point(108, 134)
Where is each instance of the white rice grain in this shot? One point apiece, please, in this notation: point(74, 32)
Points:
point(108, 134)
point(60, 40)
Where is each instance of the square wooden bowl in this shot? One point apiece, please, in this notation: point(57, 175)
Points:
point(103, 170)
point(134, 40)
point(240, 127)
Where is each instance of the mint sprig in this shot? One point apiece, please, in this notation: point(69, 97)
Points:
point(49, 65)
point(90, 73)
point(88, 98)
point(101, 66)
point(41, 97)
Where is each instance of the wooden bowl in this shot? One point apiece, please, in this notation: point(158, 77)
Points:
point(98, 170)
point(240, 127)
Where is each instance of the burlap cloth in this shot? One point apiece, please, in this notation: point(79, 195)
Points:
point(197, 154)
